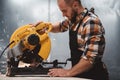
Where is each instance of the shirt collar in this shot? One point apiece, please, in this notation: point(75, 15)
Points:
point(78, 18)
point(81, 15)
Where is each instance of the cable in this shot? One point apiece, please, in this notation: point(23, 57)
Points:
point(6, 48)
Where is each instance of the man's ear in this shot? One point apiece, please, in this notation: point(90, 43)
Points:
point(75, 5)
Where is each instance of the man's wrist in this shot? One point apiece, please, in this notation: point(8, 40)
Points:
point(68, 74)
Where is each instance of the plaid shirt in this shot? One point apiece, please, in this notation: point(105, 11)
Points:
point(90, 36)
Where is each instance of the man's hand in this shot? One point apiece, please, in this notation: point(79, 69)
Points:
point(58, 72)
point(34, 25)
point(40, 31)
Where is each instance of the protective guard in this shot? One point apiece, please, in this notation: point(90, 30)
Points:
point(30, 45)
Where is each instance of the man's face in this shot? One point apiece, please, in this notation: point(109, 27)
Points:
point(67, 11)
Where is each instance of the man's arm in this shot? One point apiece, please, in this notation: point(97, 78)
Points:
point(56, 27)
point(82, 66)
point(60, 26)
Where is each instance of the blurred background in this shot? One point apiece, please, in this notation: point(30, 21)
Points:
point(16, 13)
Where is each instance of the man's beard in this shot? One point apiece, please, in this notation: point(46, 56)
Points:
point(73, 19)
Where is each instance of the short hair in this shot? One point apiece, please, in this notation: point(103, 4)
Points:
point(71, 1)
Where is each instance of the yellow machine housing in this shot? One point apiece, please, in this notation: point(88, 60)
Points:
point(41, 30)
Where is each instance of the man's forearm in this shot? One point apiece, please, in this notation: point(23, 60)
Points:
point(56, 27)
point(82, 66)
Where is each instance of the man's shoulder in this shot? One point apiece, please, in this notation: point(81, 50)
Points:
point(91, 18)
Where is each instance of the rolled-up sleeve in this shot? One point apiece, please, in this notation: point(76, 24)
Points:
point(93, 34)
